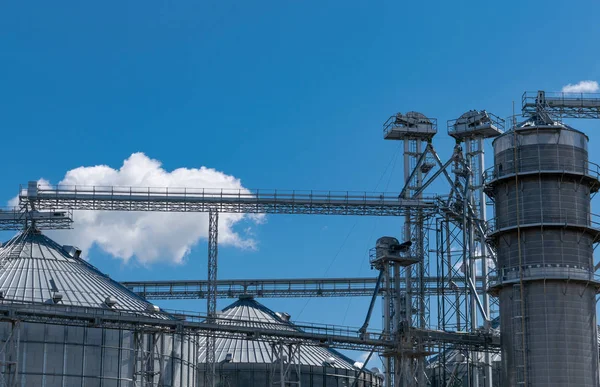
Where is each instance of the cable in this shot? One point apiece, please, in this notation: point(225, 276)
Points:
point(331, 263)
point(391, 163)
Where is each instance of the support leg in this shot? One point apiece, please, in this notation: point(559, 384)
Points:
point(9, 357)
point(211, 299)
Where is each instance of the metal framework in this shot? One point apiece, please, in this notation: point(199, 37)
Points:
point(211, 299)
point(408, 308)
point(214, 201)
point(460, 237)
point(405, 357)
point(146, 354)
point(471, 129)
point(170, 199)
point(285, 364)
point(458, 221)
point(198, 323)
point(18, 219)
point(561, 105)
point(276, 288)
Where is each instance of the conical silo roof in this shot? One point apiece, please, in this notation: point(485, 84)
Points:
point(250, 312)
point(36, 269)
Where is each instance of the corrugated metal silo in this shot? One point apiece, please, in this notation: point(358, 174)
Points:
point(255, 363)
point(38, 272)
point(544, 237)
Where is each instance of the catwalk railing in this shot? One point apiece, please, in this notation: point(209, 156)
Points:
point(534, 165)
point(171, 199)
point(196, 323)
point(544, 271)
point(549, 215)
point(273, 288)
point(563, 105)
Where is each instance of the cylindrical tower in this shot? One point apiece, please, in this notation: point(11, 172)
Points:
point(544, 235)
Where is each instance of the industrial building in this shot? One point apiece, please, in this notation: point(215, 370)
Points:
point(489, 281)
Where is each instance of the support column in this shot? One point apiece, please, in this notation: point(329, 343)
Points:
point(470, 254)
point(487, 359)
point(211, 297)
point(285, 364)
point(9, 356)
point(387, 329)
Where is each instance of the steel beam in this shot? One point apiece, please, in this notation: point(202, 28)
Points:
point(221, 200)
point(308, 334)
point(211, 299)
point(276, 288)
point(17, 219)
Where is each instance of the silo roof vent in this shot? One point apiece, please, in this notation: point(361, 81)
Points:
point(152, 308)
point(284, 316)
point(57, 297)
point(110, 301)
point(73, 251)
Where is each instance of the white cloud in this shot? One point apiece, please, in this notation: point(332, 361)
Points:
point(582, 87)
point(152, 236)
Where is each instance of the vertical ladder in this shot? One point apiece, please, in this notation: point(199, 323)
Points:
point(519, 343)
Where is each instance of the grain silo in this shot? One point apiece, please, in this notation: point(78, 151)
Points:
point(544, 234)
point(43, 275)
point(261, 363)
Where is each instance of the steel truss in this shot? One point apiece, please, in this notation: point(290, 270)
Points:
point(214, 201)
point(285, 363)
point(460, 239)
point(408, 309)
point(194, 324)
point(276, 288)
point(423, 166)
point(561, 105)
point(406, 361)
point(211, 299)
point(146, 356)
point(220, 200)
point(19, 219)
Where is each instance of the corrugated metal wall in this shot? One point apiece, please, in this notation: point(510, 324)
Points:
point(57, 356)
point(544, 243)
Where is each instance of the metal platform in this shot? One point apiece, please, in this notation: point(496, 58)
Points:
point(403, 259)
point(474, 124)
point(561, 105)
point(413, 125)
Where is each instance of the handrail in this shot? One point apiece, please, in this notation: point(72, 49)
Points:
point(494, 120)
point(169, 316)
point(224, 193)
point(549, 271)
point(587, 168)
point(391, 124)
point(537, 216)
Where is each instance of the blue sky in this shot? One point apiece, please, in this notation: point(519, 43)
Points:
point(280, 94)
